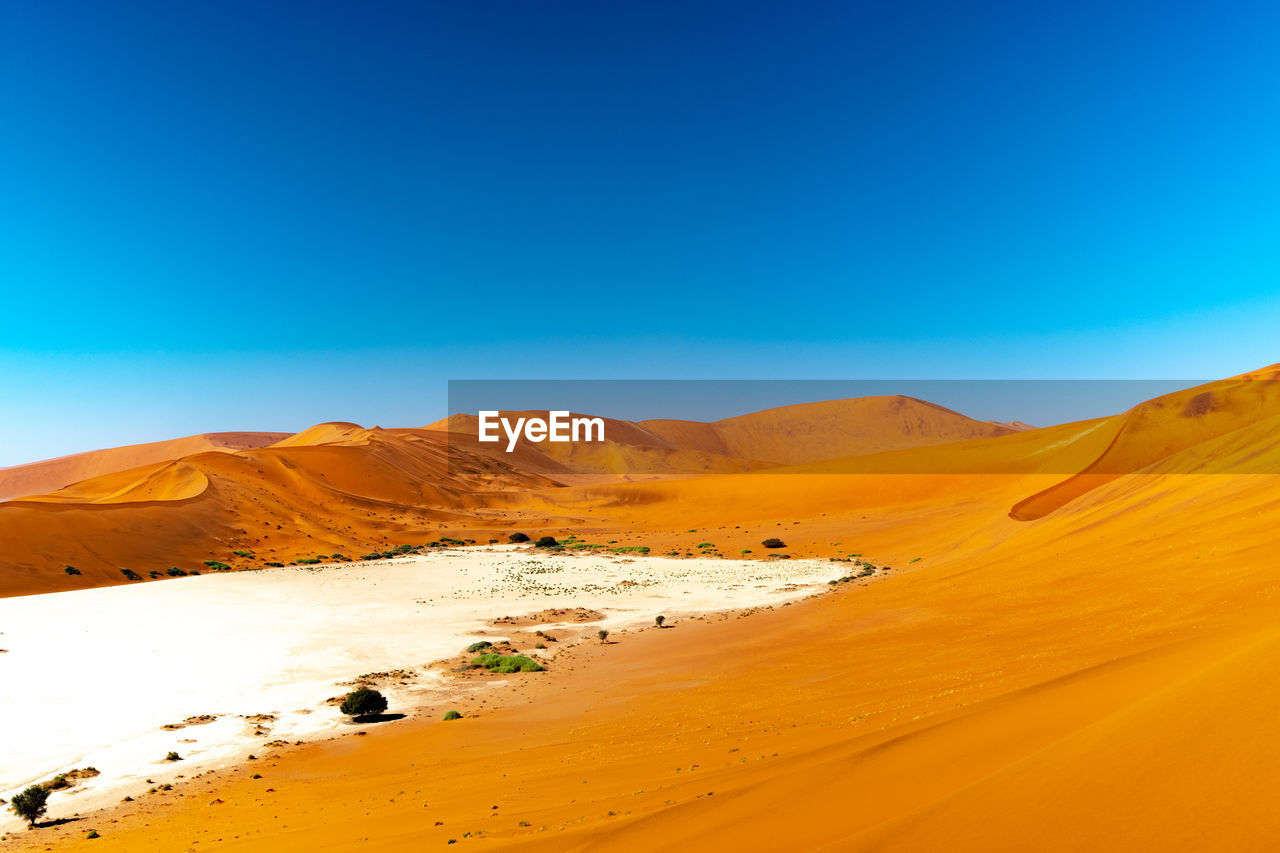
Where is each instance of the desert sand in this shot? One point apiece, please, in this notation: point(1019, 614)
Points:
point(251, 657)
point(1074, 651)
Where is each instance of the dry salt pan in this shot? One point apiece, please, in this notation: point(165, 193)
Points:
point(218, 666)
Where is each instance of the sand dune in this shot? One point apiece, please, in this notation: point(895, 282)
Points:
point(40, 477)
point(787, 435)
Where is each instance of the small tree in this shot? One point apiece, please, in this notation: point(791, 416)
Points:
point(518, 538)
point(363, 702)
point(658, 620)
point(30, 805)
point(602, 634)
point(547, 542)
point(774, 542)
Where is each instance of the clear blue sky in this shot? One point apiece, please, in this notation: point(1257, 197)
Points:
point(231, 215)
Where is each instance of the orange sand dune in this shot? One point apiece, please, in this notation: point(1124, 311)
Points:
point(369, 488)
point(39, 477)
point(788, 435)
point(811, 432)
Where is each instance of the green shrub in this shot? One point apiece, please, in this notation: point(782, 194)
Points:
point(130, 574)
point(275, 565)
point(745, 551)
point(475, 647)
point(362, 702)
point(175, 572)
point(506, 664)
point(452, 715)
point(631, 549)
point(774, 542)
point(659, 620)
point(173, 756)
point(547, 542)
point(602, 634)
point(31, 804)
point(308, 561)
point(248, 555)
point(217, 565)
point(706, 544)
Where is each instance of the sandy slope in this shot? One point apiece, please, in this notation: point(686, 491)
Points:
point(52, 474)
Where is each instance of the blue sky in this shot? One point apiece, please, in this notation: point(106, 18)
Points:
point(261, 216)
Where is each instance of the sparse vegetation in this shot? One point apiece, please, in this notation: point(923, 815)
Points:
point(547, 542)
point(31, 804)
point(706, 544)
point(173, 756)
point(518, 537)
point(130, 574)
point(452, 715)
point(659, 620)
point(175, 572)
point(773, 542)
point(248, 555)
point(274, 565)
point(71, 570)
point(631, 549)
point(602, 634)
point(217, 565)
point(475, 647)
point(308, 561)
point(363, 702)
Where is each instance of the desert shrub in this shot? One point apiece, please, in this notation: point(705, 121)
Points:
point(774, 542)
point(745, 551)
point(452, 715)
point(173, 756)
point(275, 565)
point(631, 549)
point(31, 804)
point(547, 542)
point(475, 647)
point(659, 620)
point(248, 555)
point(71, 570)
point(308, 561)
point(363, 702)
point(175, 572)
point(602, 634)
point(130, 574)
point(506, 664)
point(217, 565)
point(93, 833)
point(706, 544)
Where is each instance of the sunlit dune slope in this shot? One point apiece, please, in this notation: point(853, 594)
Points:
point(351, 489)
point(1165, 426)
point(39, 477)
